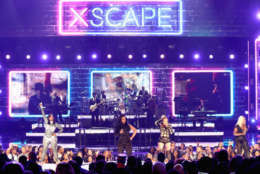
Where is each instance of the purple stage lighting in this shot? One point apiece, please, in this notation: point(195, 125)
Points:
point(109, 56)
point(79, 57)
point(44, 57)
point(1, 113)
point(211, 56)
point(246, 87)
point(1, 91)
point(130, 56)
point(58, 57)
point(94, 56)
point(231, 56)
point(196, 56)
point(28, 56)
point(181, 56)
point(144, 56)
point(8, 56)
point(246, 66)
point(252, 120)
point(162, 56)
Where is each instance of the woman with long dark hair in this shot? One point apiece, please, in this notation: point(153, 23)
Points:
point(122, 130)
point(50, 136)
point(239, 132)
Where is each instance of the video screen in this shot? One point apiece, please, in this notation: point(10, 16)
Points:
point(120, 84)
point(28, 88)
point(202, 93)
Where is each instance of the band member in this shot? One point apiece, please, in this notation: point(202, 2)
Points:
point(164, 144)
point(239, 132)
point(50, 136)
point(124, 139)
point(94, 109)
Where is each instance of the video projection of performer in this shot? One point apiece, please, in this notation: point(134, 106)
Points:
point(208, 92)
point(120, 84)
point(29, 88)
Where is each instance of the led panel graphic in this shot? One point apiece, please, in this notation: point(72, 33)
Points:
point(203, 91)
point(119, 83)
point(257, 85)
point(28, 88)
point(120, 17)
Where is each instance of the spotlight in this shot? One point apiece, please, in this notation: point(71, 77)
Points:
point(58, 57)
point(1, 91)
point(246, 112)
point(246, 87)
point(196, 56)
point(231, 56)
point(258, 64)
point(1, 113)
point(211, 56)
point(144, 56)
point(28, 56)
point(44, 57)
point(109, 56)
point(94, 56)
point(246, 66)
point(79, 57)
point(162, 56)
point(130, 56)
point(8, 56)
point(181, 56)
point(252, 120)
point(258, 15)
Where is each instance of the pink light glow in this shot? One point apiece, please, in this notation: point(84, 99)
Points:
point(258, 15)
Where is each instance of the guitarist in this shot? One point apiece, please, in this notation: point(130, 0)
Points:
point(95, 101)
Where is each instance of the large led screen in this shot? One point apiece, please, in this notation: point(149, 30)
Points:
point(202, 92)
point(28, 88)
point(118, 84)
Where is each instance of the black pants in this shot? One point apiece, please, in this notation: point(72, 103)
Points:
point(242, 144)
point(95, 118)
point(125, 145)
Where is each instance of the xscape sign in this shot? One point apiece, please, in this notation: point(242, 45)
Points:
point(120, 17)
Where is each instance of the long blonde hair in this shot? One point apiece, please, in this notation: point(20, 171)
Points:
point(241, 122)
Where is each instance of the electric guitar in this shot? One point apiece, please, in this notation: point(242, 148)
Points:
point(93, 107)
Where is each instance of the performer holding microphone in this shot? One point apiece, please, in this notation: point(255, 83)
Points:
point(164, 144)
point(50, 136)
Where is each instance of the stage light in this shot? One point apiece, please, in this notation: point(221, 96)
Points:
point(44, 56)
point(246, 112)
point(79, 57)
point(1, 91)
point(130, 56)
point(231, 56)
point(196, 56)
point(94, 56)
point(144, 56)
point(109, 56)
point(8, 56)
point(252, 120)
point(246, 87)
point(258, 64)
point(162, 56)
point(1, 113)
point(246, 66)
point(258, 15)
point(181, 56)
point(211, 56)
point(58, 57)
point(28, 56)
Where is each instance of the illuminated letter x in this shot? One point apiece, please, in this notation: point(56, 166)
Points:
point(78, 16)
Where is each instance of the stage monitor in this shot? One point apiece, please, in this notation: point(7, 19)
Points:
point(28, 88)
point(202, 93)
point(120, 84)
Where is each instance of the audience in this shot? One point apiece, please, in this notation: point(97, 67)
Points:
point(182, 160)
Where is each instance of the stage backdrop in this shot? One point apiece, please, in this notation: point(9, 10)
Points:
point(122, 17)
point(158, 79)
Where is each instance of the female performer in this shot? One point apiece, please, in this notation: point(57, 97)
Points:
point(239, 132)
point(164, 144)
point(50, 135)
point(124, 139)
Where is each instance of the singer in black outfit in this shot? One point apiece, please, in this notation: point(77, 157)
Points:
point(240, 131)
point(122, 131)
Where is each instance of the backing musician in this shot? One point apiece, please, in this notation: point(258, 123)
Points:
point(94, 109)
